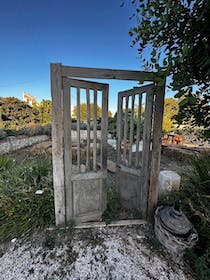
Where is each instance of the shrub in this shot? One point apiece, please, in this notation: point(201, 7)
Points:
point(193, 200)
point(21, 209)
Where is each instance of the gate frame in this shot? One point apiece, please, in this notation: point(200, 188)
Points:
point(59, 121)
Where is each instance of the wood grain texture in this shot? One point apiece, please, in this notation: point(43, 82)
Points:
point(146, 150)
point(57, 143)
point(156, 151)
point(67, 152)
point(100, 73)
point(138, 130)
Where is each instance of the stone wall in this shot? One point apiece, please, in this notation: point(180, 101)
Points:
point(13, 143)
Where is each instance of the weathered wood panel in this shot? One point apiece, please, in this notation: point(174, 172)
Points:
point(100, 73)
point(104, 127)
point(57, 143)
point(125, 130)
point(138, 132)
point(67, 152)
point(146, 151)
point(95, 132)
point(131, 130)
point(88, 130)
point(119, 128)
point(78, 130)
point(156, 150)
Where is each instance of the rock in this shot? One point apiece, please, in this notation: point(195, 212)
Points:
point(167, 181)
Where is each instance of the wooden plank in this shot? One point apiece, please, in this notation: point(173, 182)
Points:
point(130, 170)
point(138, 132)
point(67, 153)
point(78, 129)
point(88, 130)
point(89, 176)
point(146, 151)
point(99, 73)
point(104, 126)
point(125, 129)
point(131, 129)
point(136, 90)
point(95, 132)
point(119, 223)
point(57, 143)
point(119, 129)
point(156, 151)
point(86, 84)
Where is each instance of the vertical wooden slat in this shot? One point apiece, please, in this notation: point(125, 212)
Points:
point(146, 150)
point(95, 131)
point(57, 143)
point(67, 152)
point(88, 130)
point(78, 129)
point(125, 129)
point(119, 128)
point(138, 133)
point(104, 125)
point(156, 150)
point(131, 129)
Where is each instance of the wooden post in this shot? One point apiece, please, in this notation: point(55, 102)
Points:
point(146, 151)
point(104, 125)
point(131, 129)
point(125, 130)
point(119, 128)
point(95, 132)
point(156, 151)
point(88, 130)
point(138, 133)
point(78, 129)
point(67, 151)
point(57, 143)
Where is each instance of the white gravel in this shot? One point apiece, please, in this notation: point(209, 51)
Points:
point(108, 253)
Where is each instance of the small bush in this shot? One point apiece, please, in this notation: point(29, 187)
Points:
point(113, 206)
point(193, 200)
point(21, 209)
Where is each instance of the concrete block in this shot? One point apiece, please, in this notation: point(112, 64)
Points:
point(168, 181)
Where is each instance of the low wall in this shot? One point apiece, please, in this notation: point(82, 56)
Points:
point(13, 143)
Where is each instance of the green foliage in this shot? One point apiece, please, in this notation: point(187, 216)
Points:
point(83, 112)
point(45, 111)
point(176, 33)
point(22, 210)
point(5, 163)
point(113, 206)
point(16, 113)
point(112, 125)
point(171, 108)
point(193, 200)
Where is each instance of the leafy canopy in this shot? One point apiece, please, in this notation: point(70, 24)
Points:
point(176, 33)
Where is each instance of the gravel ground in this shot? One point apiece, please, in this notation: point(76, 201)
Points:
point(107, 253)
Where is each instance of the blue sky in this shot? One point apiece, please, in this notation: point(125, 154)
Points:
point(88, 33)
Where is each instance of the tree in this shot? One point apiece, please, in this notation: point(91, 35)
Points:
point(45, 111)
point(171, 108)
point(17, 114)
point(83, 112)
point(176, 33)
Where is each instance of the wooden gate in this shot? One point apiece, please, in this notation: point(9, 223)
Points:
point(85, 156)
point(135, 126)
point(78, 186)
